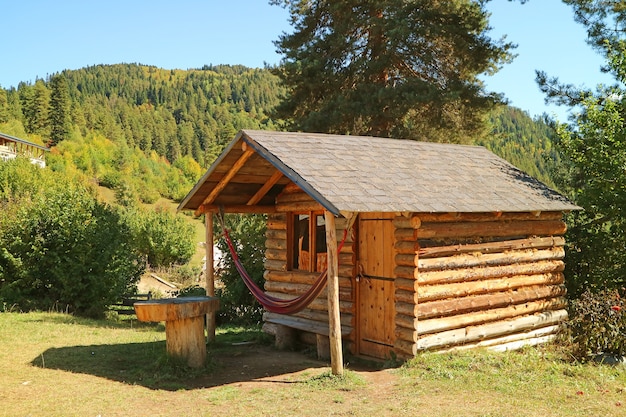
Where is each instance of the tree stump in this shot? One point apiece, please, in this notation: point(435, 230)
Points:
point(184, 324)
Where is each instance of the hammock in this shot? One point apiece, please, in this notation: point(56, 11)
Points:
point(273, 304)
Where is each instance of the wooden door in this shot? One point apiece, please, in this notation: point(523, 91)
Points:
point(375, 286)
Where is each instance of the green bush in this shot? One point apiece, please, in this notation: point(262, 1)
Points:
point(191, 291)
point(126, 194)
point(163, 238)
point(19, 179)
point(185, 274)
point(237, 304)
point(598, 324)
point(110, 179)
point(62, 249)
point(149, 195)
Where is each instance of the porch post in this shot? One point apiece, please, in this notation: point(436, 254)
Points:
point(209, 274)
point(334, 324)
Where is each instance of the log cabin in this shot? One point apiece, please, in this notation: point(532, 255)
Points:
point(448, 246)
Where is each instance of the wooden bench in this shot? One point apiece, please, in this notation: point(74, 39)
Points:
point(284, 328)
point(126, 304)
point(303, 324)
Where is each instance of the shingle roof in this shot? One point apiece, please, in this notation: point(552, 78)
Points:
point(369, 174)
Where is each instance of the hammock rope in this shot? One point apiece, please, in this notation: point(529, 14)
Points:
point(274, 304)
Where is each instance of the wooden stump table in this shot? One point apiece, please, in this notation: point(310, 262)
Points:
point(184, 324)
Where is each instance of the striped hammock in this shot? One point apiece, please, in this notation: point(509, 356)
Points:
point(274, 304)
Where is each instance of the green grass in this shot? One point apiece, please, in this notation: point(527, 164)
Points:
point(55, 364)
point(535, 381)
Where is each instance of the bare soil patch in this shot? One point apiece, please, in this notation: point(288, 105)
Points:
point(249, 366)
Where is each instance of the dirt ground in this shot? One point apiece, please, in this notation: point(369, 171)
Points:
point(248, 366)
point(271, 382)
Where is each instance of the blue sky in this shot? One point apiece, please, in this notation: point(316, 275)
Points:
point(41, 37)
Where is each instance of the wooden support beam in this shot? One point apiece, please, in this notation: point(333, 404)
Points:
point(464, 289)
point(299, 207)
point(209, 275)
point(334, 320)
point(456, 306)
point(265, 188)
point(248, 152)
point(488, 216)
point(207, 208)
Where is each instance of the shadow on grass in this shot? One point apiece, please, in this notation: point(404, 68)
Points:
point(116, 322)
point(148, 365)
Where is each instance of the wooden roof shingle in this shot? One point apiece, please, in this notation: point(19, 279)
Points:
point(370, 174)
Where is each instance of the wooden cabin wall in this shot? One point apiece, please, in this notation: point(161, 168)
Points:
point(282, 283)
point(468, 280)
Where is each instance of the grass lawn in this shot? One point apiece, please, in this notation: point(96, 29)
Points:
point(58, 365)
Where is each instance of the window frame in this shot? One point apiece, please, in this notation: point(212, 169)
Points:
point(292, 244)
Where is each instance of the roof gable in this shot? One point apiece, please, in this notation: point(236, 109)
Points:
point(369, 174)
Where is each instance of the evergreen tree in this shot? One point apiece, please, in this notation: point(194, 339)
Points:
point(173, 151)
point(4, 106)
point(60, 110)
point(25, 94)
point(36, 102)
point(392, 68)
point(14, 105)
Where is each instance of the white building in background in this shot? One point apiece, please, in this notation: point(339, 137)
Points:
point(11, 147)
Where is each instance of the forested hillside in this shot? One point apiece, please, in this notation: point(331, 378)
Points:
point(134, 127)
point(175, 113)
point(148, 132)
point(525, 142)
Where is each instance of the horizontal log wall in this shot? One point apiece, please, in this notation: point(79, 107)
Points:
point(478, 279)
point(282, 283)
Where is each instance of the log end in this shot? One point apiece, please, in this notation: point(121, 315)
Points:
point(171, 309)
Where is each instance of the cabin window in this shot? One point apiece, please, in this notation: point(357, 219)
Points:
point(308, 242)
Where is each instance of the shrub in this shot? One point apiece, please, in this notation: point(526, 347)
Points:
point(126, 194)
point(149, 195)
point(19, 179)
point(598, 324)
point(185, 274)
point(110, 179)
point(63, 249)
point(163, 238)
point(237, 304)
point(192, 291)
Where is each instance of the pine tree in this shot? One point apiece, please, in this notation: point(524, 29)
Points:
point(394, 68)
point(60, 110)
point(36, 104)
point(4, 106)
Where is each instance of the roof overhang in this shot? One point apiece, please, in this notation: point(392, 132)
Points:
point(246, 178)
point(351, 174)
